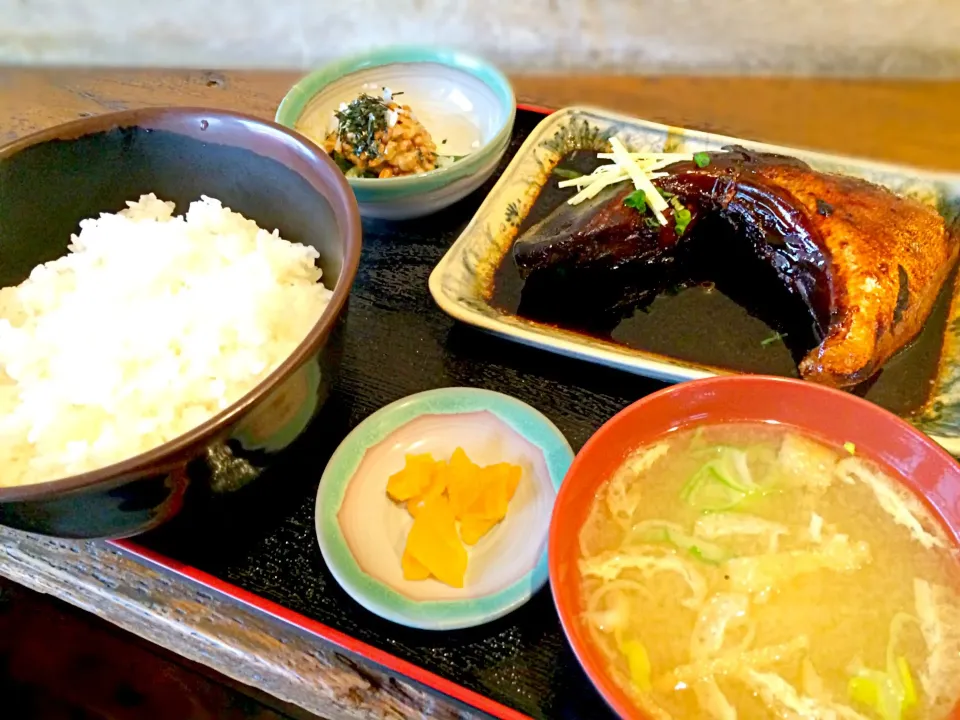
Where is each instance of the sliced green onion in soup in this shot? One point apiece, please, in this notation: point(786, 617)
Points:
point(638, 660)
point(653, 531)
point(864, 691)
point(711, 491)
point(906, 680)
point(889, 693)
point(722, 483)
point(708, 553)
point(878, 691)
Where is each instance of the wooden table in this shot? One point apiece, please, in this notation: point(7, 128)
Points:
point(904, 122)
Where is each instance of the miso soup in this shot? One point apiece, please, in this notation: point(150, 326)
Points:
point(749, 571)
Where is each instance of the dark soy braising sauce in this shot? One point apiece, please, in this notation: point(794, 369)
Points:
point(723, 308)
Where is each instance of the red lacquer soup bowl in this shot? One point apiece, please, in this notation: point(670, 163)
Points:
point(833, 416)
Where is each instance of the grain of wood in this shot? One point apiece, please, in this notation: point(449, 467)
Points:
point(897, 121)
point(909, 122)
point(60, 663)
point(238, 641)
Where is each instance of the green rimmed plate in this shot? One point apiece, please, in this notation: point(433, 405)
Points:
point(362, 533)
point(462, 284)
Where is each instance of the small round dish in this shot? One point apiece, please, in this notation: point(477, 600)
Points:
point(362, 533)
point(459, 98)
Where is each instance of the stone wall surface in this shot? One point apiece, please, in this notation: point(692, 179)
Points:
point(889, 38)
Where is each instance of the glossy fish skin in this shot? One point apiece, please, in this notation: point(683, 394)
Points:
point(601, 231)
point(867, 263)
point(618, 261)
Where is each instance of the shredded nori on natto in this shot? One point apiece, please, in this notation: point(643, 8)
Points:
point(360, 122)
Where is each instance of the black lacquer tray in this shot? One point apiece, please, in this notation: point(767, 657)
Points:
point(260, 546)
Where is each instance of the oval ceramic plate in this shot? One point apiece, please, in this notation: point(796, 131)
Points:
point(461, 283)
point(362, 533)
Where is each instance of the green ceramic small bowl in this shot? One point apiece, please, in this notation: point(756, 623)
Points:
point(459, 98)
point(362, 533)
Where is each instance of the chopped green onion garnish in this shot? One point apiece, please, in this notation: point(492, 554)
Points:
point(567, 174)
point(776, 337)
point(681, 215)
point(341, 161)
point(636, 200)
point(701, 159)
point(850, 448)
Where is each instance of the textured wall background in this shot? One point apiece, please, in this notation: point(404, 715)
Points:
point(833, 37)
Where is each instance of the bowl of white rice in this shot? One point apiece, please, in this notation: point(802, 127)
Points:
point(171, 282)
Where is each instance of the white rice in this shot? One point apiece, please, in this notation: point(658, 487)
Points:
point(149, 326)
